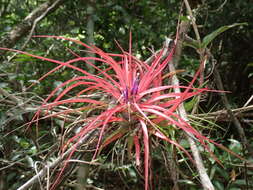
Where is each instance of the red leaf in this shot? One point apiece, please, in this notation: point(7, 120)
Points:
point(137, 150)
point(146, 152)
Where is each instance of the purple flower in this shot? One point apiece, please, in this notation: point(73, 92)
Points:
point(125, 95)
point(134, 89)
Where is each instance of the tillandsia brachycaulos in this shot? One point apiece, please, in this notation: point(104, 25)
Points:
point(144, 105)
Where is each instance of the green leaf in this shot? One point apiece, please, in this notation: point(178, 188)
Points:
point(250, 64)
point(235, 146)
point(190, 104)
point(218, 185)
point(240, 182)
point(186, 181)
point(24, 144)
point(209, 38)
point(184, 143)
point(193, 44)
point(184, 18)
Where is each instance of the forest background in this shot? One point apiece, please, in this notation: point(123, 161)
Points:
point(226, 118)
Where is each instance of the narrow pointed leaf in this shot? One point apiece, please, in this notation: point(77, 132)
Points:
point(146, 152)
point(209, 38)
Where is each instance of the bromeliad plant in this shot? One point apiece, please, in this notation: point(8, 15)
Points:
point(136, 100)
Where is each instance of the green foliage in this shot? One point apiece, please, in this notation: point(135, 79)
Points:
point(149, 21)
point(210, 37)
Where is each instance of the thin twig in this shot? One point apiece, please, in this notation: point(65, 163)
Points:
point(249, 100)
point(220, 7)
point(200, 50)
point(239, 112)
point(56, 162)
point(10, 96)
point(194, 25)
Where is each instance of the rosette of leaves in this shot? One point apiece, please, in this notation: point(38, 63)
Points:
point(138, 104)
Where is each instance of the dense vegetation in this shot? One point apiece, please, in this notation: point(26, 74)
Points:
point(103, 104)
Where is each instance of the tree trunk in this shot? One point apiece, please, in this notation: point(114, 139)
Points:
point(90, 34)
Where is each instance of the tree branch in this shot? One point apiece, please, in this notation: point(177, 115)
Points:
point(38, 19)
point(26, 25)
point(205, 180)
point(194, 25)
point(222, 115)
point(43, 172)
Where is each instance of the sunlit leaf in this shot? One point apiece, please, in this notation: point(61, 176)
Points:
point(209, 38)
